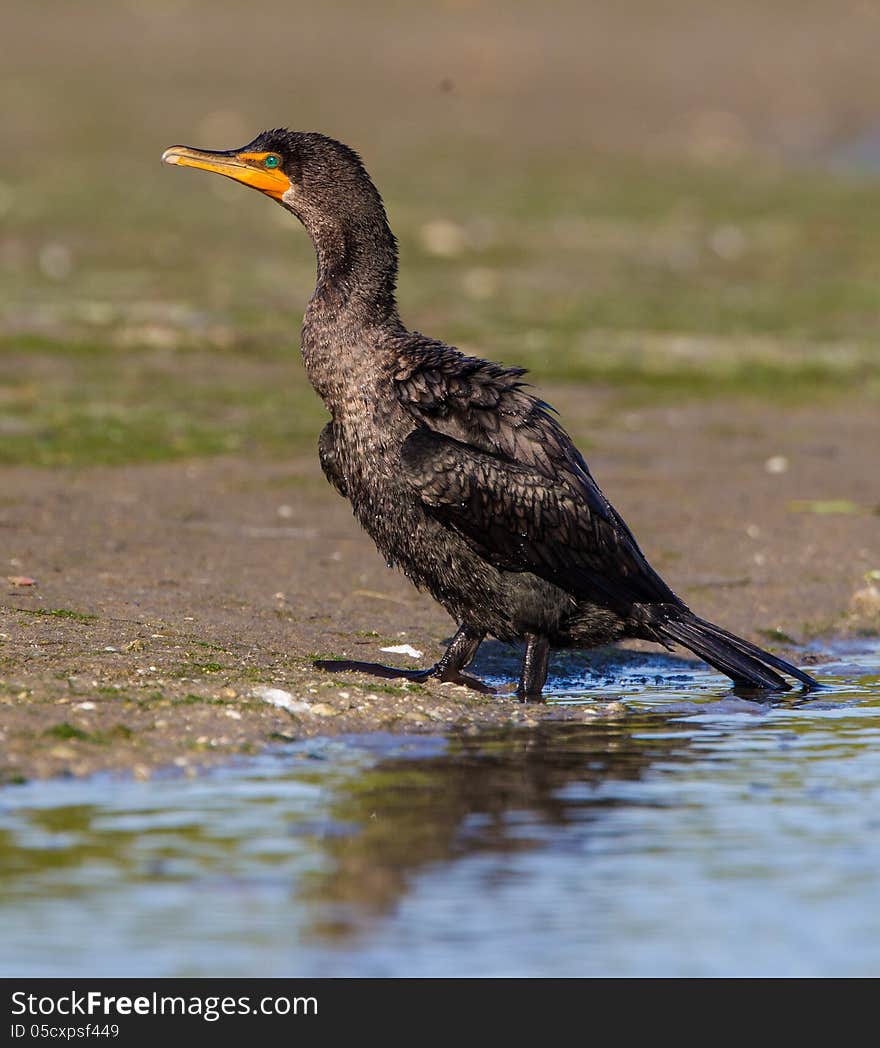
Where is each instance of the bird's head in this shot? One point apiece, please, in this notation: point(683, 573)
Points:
point(311, 175)
point(324, 184)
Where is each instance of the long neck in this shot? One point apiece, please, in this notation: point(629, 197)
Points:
point(357, 271)
point(353, 304)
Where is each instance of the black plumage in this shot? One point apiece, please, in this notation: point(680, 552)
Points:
point(461, 476)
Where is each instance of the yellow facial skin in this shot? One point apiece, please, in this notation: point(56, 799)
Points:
point(248, 168)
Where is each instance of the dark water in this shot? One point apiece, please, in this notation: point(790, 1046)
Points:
point(699, 835)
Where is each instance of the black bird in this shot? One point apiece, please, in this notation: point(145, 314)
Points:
point(461, 476)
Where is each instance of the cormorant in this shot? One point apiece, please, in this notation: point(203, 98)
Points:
point(461, 476)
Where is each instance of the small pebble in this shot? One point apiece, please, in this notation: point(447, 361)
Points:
point(776, 464)
point(280, 698)
point(442, 238)
point(55, 261)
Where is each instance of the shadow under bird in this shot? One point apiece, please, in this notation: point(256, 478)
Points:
point(461, 476)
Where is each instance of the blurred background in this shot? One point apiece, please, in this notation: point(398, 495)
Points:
point(669, 210)
point(675, 198)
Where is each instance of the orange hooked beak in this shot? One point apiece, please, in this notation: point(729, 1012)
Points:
point(260, 170)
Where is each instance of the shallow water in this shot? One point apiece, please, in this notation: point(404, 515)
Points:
point(699, 835)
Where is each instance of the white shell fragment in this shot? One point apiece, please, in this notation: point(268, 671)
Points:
point(280, 698)
point(404, 649)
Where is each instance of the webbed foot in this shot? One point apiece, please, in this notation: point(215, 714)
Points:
point(376, 669)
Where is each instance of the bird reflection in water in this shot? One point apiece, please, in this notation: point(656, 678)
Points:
point(494, 792)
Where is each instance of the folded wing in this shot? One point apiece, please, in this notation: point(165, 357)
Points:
point(491, 461)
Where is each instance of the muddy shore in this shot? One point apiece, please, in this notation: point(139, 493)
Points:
point(168, 598)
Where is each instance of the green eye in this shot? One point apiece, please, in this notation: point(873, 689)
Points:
point(272, 161)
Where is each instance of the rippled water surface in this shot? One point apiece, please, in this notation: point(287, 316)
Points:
point(701, 834)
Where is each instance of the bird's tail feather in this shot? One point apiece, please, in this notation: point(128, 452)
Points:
point(743, 662)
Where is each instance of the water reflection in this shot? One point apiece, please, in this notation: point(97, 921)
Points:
point(494, 791)
point(747, 832)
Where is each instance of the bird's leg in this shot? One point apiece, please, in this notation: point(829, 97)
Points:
point(460, 653)
point(534, 668)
